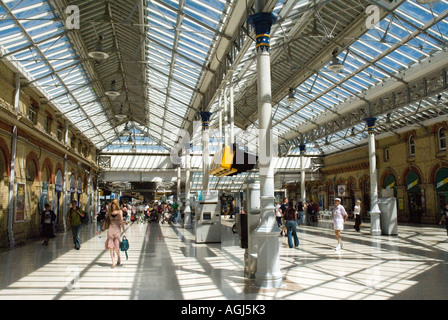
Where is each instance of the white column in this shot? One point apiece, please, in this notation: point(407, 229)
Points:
point(374, 208)
point(226, 118)
point(268, 273)
point(13, 166)
point(253, 217)
point(220, 130)
point(179, 177)
point(187, 209)
point(232, 117)
point(64, 181)
point(205, 149)
point(302, 173)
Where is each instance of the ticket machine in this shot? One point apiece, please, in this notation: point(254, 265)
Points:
point(208, 217)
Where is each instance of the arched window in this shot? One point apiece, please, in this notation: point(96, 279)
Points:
point(441, 139)
point(2, 166)
point(411, 146)
point(31, 171)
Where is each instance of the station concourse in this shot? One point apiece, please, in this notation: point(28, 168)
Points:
point(203, 124)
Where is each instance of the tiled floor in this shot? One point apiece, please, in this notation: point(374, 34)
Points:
point(166, 263)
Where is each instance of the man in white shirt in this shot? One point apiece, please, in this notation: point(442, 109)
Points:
point(339, 218)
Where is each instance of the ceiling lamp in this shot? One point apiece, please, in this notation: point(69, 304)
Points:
point(126, 129)
point(291, 98)
point(121, 116)
point(112, 93)
point(99, 55)
point(427, 1)
point(335, 65)
point(130, 138)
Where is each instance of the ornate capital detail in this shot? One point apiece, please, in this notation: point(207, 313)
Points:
point(370, 124)
point(262, 22)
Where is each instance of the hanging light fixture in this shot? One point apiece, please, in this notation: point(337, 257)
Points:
point(291, 98)
point(98, 54)
point(121, 116)
point(112, 93)
point(430, 2)
point(335, 65)
point(130, 138)
point(125, 130)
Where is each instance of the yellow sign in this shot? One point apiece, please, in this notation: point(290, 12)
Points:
point(412, 184)
point(225, 166)
point(441, 183)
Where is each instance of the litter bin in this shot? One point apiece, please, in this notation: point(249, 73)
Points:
point(388, 208)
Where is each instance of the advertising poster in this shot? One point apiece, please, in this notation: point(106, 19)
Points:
point(20, 203)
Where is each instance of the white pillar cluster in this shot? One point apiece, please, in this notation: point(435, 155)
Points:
point(375, 228)
point(268, 273)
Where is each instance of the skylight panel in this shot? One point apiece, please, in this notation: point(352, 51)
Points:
point(204, 15)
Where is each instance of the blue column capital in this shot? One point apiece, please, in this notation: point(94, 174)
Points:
point(205, 116)
point(302, 149)
point(370, 124)
point(262, 22)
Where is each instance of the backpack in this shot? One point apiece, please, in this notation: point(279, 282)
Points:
point(124, 246)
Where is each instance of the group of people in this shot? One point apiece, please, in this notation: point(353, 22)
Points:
point(74, 219)
point(289, 215)
point(112, 218)
point(286, 216)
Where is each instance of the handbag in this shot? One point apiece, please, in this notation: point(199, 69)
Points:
point(124, 246)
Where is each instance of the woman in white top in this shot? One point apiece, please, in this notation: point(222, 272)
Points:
point(278, 214)
point(339, 217)
point(357, 213)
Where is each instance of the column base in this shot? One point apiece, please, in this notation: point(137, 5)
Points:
point(187, 220)
point(273, 283)
point(268, 273)
point(375, 228)
point(250, 265)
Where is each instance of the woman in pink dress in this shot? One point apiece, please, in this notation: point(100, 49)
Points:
point(114, 224)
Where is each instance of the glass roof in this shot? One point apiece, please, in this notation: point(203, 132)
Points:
point(179, 42)
point(368, 62)
point(33, 38)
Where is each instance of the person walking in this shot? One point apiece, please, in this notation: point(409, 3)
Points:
point(300, 213)
point(114, 224)
point(74, 218)
point(357, 214)
point(278, 214)
point(47, 220)
point(445, 217)
point(175, 207)
point(290, 217)
point(101, 217)
point(339, 218)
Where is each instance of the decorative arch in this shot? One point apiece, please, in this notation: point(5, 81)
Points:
point(435, 169)
point(85, 183)
point(4, 150)
point(388, 171)
point(362, 180)
point(59, 167)
point(409, 134)
point(416, 170)
point(48, 165)
point(34, 160)
point(436, 126)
